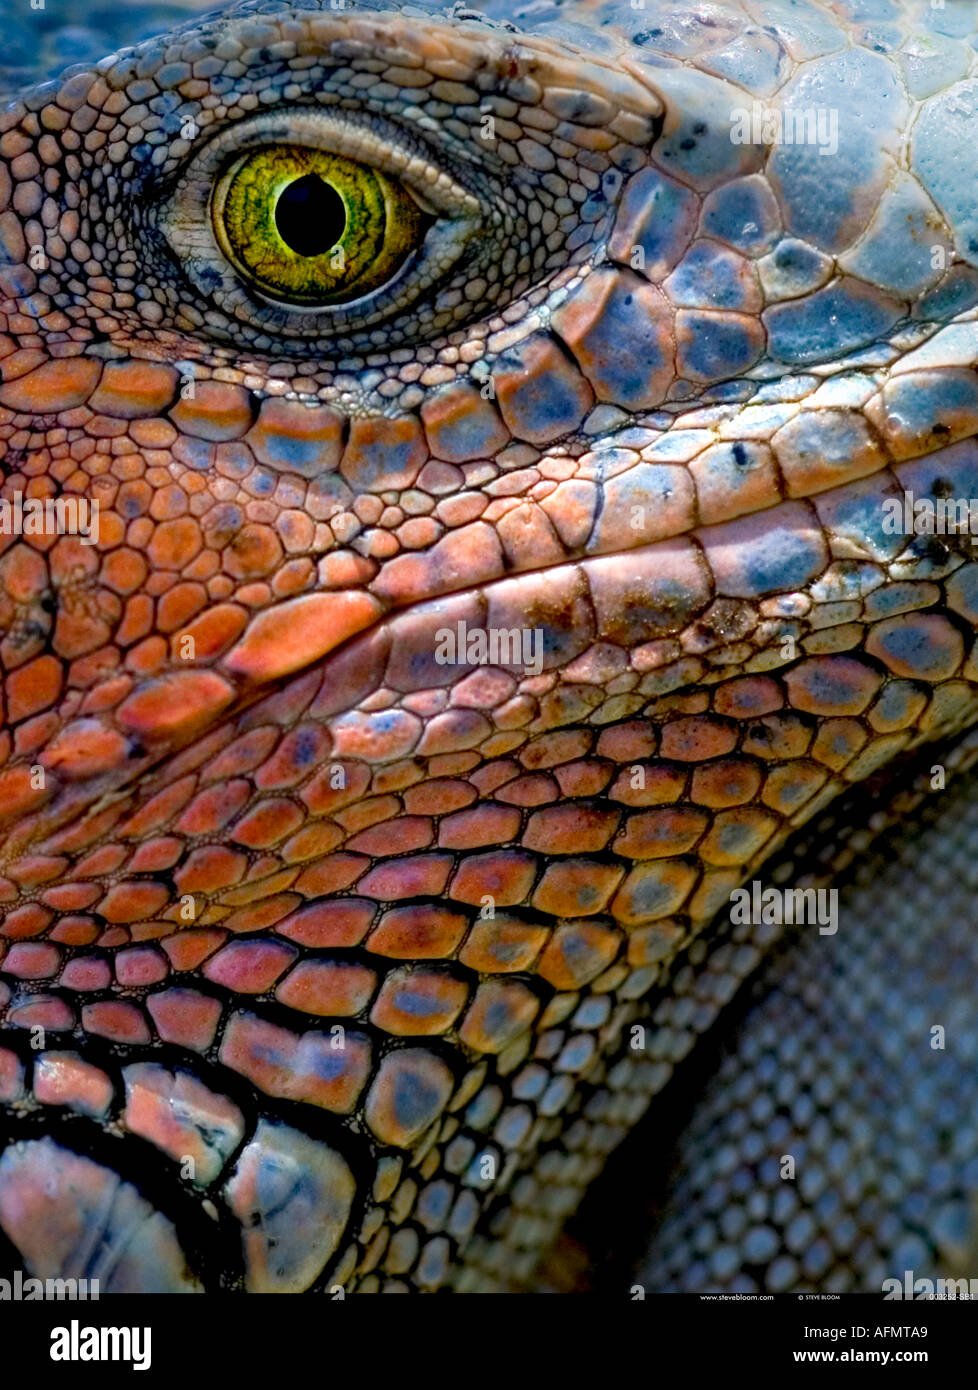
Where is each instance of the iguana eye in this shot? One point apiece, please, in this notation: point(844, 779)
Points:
point(312, 228)
point(334, 230)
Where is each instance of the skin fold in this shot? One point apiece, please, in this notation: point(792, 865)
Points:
point(337, 951)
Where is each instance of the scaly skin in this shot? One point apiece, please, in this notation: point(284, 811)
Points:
point(361, 934)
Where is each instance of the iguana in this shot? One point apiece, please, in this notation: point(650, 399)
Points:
point(477, 483)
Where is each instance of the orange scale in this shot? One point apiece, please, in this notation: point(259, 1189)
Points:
point(415, 876)
point(713, 892)
point(838, 741)
point(577, 953)
point(371, 811)
point(212, 809)
point(187, 949)
point(116, 1020)
point(411, 1089)
point(697, 738)
point(655, 889)
point(104, 427)
point(661, 833)
point(506, 876)
point(34, 960)
point(302, 750)
point(42, 1011)
point(269, 822)
point(834, 685)
point(254, 553)
point(334, 922)
point(156, 854)
point(152, 433)
point(418, 932)
point(297, 632)
point(175, 703)
point(243, 755)
point(577, 887)
point(57, 386)
point(63, 1079)
point(727, 782)
point(74, 931)
point(584, 778)
point(454, 730)
point(262, 914)
point(141, 965)
point(150, 931)
point(571, 829)
point(209, 869)
point(438, 797)
point(35, 733)
point(210, 633)
point(486, 824)
point(778, 736)
point(133, 389)
point(453, 764)
point(137, 620)
point(331, 875)
point(111, 937)
point(563, 746)
point(86, 748)
point(503, 944)
point(174, 543)
point(534, 789)
point(414, 1003)
point(34, 687)
point(27, 921)
point(736, 836)
point(748, 697)
point(297, 1067)
point(217, 411)
point(630, 742)
point(132, 901)
point(311, 842)
point(99, 670)
point(397, 776)
point(36, 869)
point(335, 786)
point(501, 1011)
point(250, 967)
point(493, 775)
point(18, 795)
point(177, 607)
point(654, 943)
point(328, 988)
point(651, 784)
point(789, 786)
point(185, 1017)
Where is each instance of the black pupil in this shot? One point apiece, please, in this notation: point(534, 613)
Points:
point(310, 216)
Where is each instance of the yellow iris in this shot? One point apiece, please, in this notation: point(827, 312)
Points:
point(312, 227)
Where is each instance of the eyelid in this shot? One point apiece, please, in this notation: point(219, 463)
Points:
point(353, 135)
point(185, 217)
